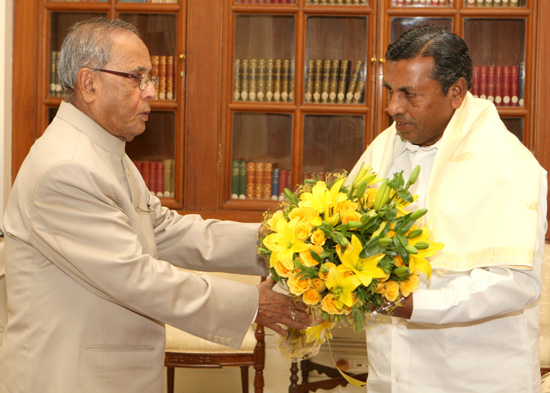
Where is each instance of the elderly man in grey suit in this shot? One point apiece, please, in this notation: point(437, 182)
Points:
point(91, 254)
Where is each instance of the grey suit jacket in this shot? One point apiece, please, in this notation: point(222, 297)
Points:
point(91, 281)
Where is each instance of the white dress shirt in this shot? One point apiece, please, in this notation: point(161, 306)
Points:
point(431, 352)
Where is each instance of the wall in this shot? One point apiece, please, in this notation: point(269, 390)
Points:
point(6, 51)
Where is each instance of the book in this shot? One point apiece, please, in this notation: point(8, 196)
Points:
point(491, 83)
point(284, 79)
point(269, 80)
point(310, 76)
point(333, 88)
point(277, 72)
point(235, 178)
point(155, 63)
point(358, 93)
point(237, 80)
point(325, 81)
point(266, 180)
point(168, 178)
point(250, 180)
point(521, 83)
point(275, 184)
point(258, 180)
point(170, 77)
point(291, 82)
point(244, 79)
point(506, 86)
point(159, 178)
point(252, 70)
point(514, 85)
point(483, 82)
point(499, 84)
point(353, 80)
point(317, 81)
point(475, 81)
point(242, 179)
point(260, 84)
point(342, 82)
point(162, 78)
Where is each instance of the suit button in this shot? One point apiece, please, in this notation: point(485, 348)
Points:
point(229, 341)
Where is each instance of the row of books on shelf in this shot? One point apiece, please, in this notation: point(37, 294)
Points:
point(270, 80)
point(158, 176)
point(150, 1)
point(258, 180)
point(422, 3)
point(335, 81)
point(494, 3)
point(338, 2)
point(266, 1)
point(501, 84)
point(163, 68)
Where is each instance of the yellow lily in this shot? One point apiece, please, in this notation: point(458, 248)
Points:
point(342, 287)
point(320, 332)
point(283, 244)
point(418, 261)
point(324, 200)
point(364, 268)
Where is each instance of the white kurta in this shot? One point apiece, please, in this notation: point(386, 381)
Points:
point(472, 331)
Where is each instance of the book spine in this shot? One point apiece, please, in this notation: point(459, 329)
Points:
point(333, 89)
point(260, 95)
point(353, 81)
point(499, 85)
point(283, 182)
point(521, 83)
point(318, 81)
point(483, 82)
point(250, 180)
point(277, 73)
point(146, 173)
point(275, 184)
point(252, 79)
point(267, 179)
point(235, 169)
point(258, 180)
point(310, 72)
point(237, 80)
point(269, 80)
point(242, 179)
point(475, 81)
point(168, 178)
point(326, 81)
point(155, 63)
point(343, 80)
point(358, 93)
point(491, 83)
point(291, 82)
point(162, 78)
point(159, 174)
point(170, 77)
point(244, 79)
point(514, 85)
point(284, 80)
point(507, 87)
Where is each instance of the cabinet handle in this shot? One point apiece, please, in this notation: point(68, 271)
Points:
point(182, 56)
point(382, 60)
point(373, 60)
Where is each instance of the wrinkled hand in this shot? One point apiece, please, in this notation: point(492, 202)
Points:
point(276, 308)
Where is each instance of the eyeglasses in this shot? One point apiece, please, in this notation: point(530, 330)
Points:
point(143, 79)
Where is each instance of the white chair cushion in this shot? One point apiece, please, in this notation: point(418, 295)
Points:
point(180, 341)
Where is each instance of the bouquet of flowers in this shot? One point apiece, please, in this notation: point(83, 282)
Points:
point(346, 251)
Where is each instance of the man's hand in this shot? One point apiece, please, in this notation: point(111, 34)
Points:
point(401, 308)
point(276, 308)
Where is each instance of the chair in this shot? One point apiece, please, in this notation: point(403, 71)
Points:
point(188, 351)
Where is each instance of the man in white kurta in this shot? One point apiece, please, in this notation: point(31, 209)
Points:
point(473, 327)
point(91, 254)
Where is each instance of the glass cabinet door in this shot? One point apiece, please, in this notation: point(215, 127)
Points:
point(336, 52)
point(261, 158)
point(497, 48)
point(60, 22)
point(400, 25)
point(331, 143)
point(264, 58)
point(495, 3)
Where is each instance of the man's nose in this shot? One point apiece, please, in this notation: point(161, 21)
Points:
point(395, 105)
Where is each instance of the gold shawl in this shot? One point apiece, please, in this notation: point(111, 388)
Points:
point(483, 191)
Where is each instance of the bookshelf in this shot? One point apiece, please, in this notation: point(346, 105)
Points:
point(304, 129)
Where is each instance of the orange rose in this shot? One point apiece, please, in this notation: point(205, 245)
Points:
point(281, 270)
point(318, 284)
point(307, 259)
point(318, 237)
point(411, 285)
point(311, 297)
point(297, 285)
point(349, 215)
point(303, 230)
point(391, 290)
point(328, 305)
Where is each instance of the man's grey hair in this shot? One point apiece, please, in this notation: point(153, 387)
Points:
point(88, 44)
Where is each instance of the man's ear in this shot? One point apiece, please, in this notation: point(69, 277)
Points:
point(85, 84)
point(458, 91)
